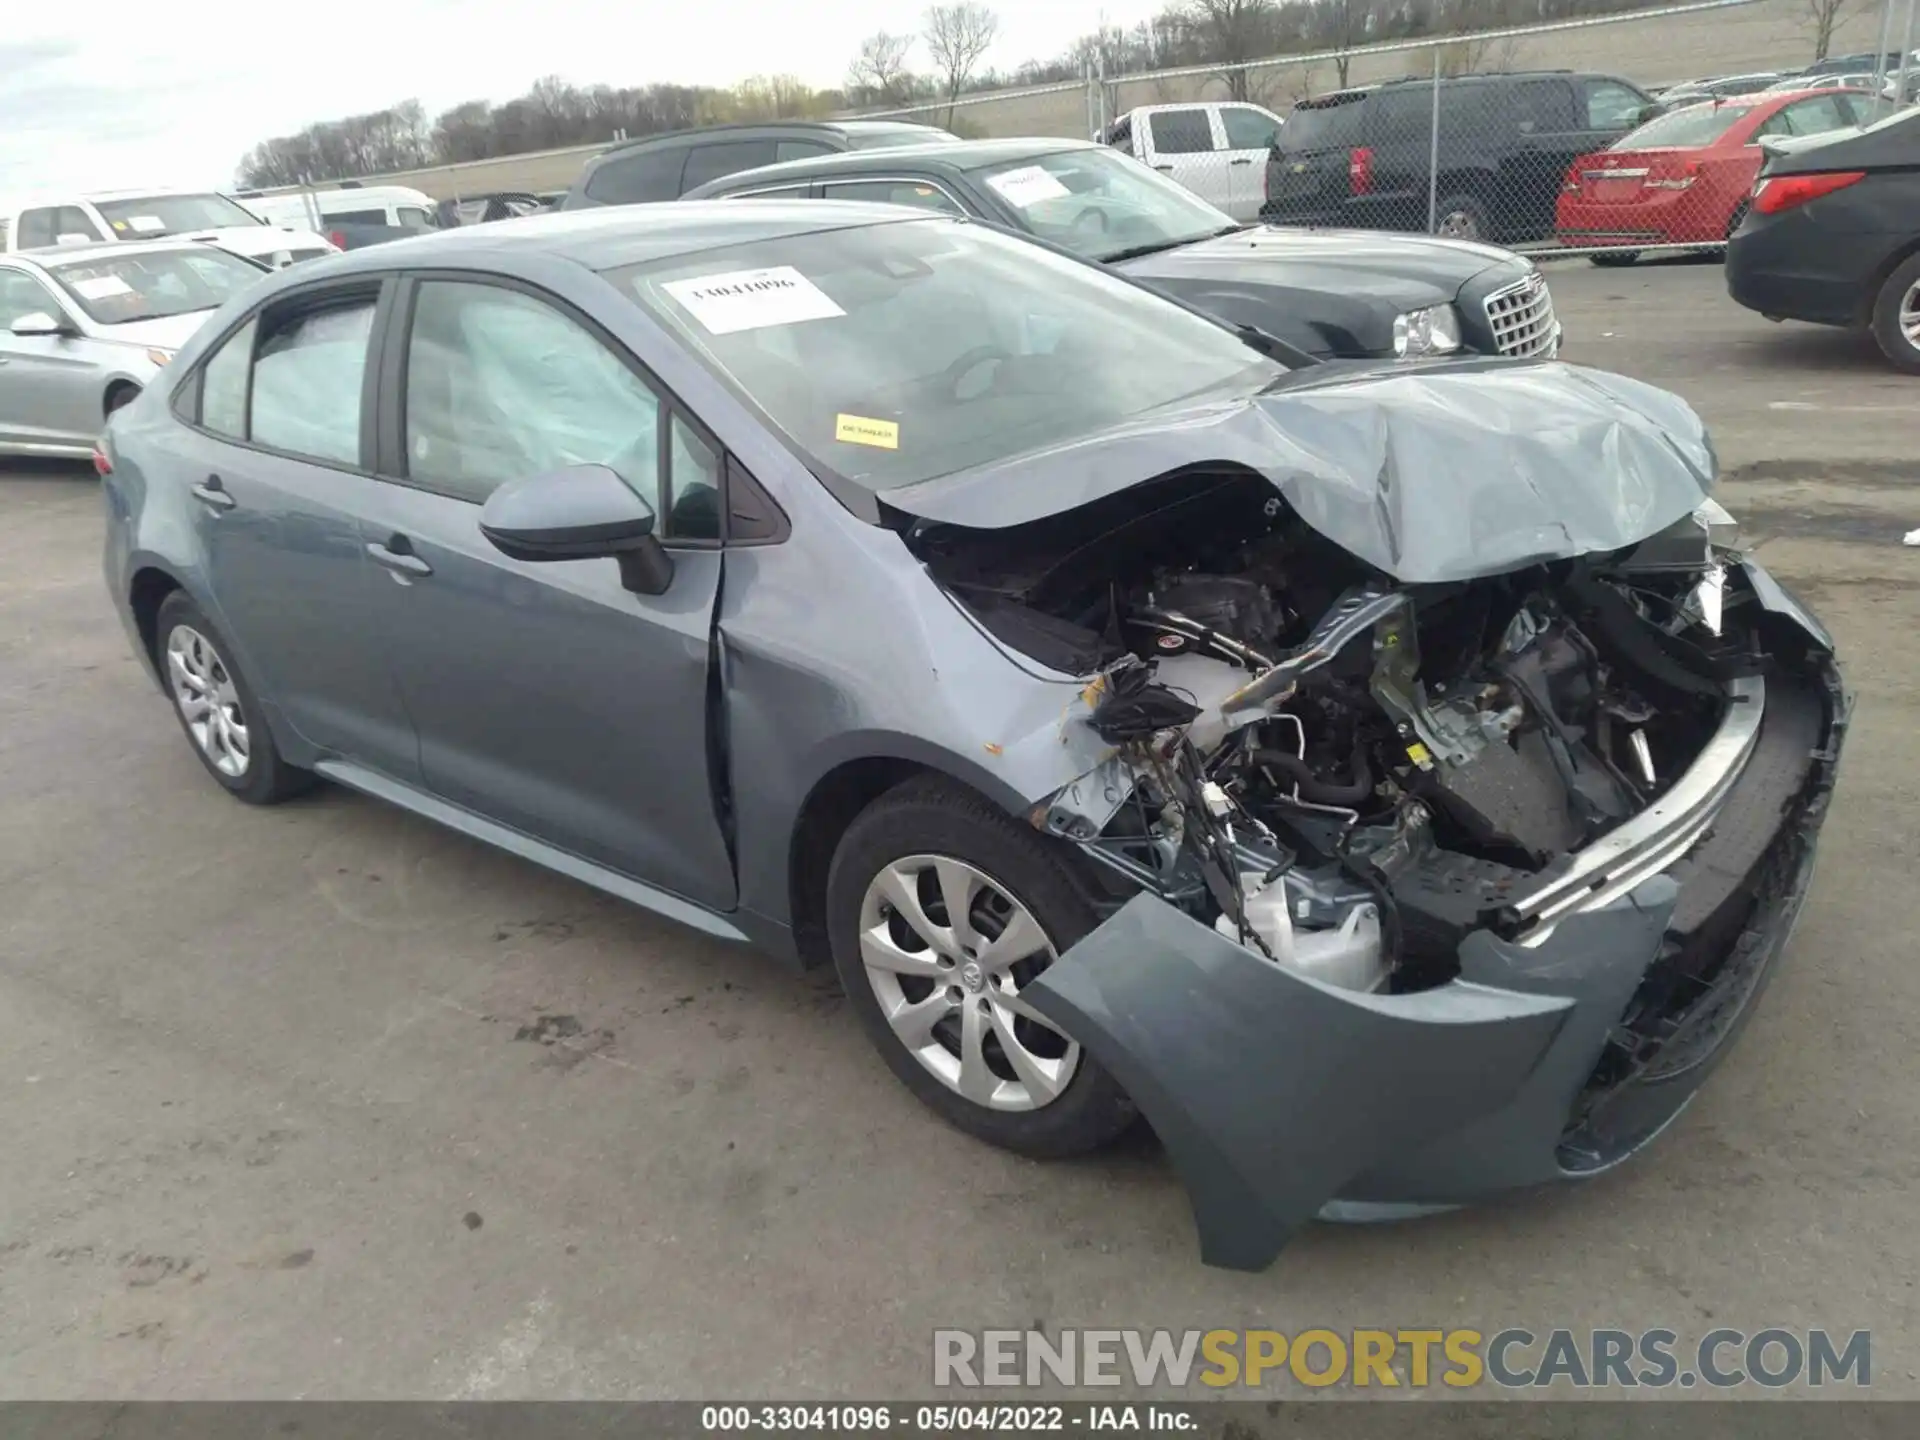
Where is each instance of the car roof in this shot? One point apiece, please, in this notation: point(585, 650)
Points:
point(802, 127)
point(610, 236)
point(955, 155)
point(94, 197)
point(49, 256)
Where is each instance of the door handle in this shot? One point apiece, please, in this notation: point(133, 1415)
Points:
point(1243, 160)
point(211, 492)
point(397, 555)
point(1167, 168)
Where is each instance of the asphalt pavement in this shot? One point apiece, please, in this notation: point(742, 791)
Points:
point(322, 1101)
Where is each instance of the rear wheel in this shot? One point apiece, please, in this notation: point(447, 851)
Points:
point(941, 909)
point(1896, 316)
point(217, 708)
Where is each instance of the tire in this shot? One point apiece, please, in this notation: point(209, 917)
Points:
point(233, 742)
point(1735, 220)
point(1614, 258)
point(932, 826)
point(1465, 214)
point(1896, 316)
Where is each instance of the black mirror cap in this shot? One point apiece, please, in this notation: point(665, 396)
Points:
point(583, 512)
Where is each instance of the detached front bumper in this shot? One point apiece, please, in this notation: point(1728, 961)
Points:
point(1565, 1044)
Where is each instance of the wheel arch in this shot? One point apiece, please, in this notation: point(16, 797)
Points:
point(147, 591)
point(116, 387)
point(1870, 296)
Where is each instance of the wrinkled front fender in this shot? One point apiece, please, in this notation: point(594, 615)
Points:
point(1273, 1094)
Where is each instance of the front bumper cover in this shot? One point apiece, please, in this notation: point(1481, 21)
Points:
point(1553, 1055)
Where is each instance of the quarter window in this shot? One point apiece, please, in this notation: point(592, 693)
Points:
point(307, 376)
point(223, 385)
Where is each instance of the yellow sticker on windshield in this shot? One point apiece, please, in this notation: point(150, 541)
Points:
point(859, 430)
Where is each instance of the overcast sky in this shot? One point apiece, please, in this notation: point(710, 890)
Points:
point(124, 93)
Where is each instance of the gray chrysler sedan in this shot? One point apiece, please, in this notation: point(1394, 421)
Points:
point(1392, 783)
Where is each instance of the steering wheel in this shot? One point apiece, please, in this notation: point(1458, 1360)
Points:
point(969, 362)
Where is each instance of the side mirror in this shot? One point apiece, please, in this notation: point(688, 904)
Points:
point(1644, 114)
point(584, 512)
point(39, 322)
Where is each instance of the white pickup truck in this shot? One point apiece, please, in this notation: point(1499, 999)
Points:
point(1216, 148)
point(56, 220)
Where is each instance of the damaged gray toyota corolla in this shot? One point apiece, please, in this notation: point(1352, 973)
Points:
point(1392, 783)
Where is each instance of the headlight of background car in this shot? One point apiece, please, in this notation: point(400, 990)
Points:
point(1432, 331)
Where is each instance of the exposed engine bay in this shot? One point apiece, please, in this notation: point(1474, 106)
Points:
point(1344, 773)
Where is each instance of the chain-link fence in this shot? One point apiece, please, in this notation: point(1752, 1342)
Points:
point(1614, 135)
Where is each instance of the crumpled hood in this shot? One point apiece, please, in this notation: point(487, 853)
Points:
point(1428, 473)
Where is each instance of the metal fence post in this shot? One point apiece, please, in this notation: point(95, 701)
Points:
point(1433, 152)
point(1906, 54)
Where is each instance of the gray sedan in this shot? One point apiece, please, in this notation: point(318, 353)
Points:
point(84, 330)
point(1393, 783)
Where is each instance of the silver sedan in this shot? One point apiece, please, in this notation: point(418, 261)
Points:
point(85, 329)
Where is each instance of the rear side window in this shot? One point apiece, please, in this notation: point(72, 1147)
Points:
point(800, 150)
point(893, 192)
point(357, 217)
point(1544, 107)
point(631, 179)
point(307, 376)
point(36, 229)
point(1180, 132)
point(710, 162)
point(1611, 105)
point(223, 385)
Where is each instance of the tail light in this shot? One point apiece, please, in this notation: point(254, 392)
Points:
point(1360, 170)
point(102, 462)
point(337, 239)
point(1784, 192)
point(1670, 174)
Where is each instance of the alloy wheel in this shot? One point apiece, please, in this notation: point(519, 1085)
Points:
point(209, 701)
point(1458, 225)
point(947, 950)
point(1910, 315)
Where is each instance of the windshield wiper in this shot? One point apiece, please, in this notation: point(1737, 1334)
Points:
point(1274, 348)
point(1134, 252)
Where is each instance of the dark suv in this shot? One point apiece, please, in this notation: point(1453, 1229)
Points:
point(665, 167)
point(1363, 156)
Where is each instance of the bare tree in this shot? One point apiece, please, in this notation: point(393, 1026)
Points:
point(1229, 33)
point(957, 36)
point(879, 70)
point(1820, 16)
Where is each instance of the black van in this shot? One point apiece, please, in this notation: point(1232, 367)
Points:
point(1362, 157)
point(665, 167)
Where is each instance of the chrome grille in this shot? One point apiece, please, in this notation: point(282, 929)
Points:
point(1522, 318)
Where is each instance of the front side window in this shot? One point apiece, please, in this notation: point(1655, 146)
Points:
point(155, 215)
point(916, 193)
point(1248, 128)
point(1180, 132)
point(1611, 105)
point(1100, 204)
point(501, 386)
point(415, 217)
point(710, 162)
point(72, 220)
point(307, 375)
point(223, 385)
point(897, 352)
point(147, 285)
point(21, 294)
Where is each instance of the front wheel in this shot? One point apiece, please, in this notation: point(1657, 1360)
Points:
point(1896, 316)
point(941, 909)
point(1461, 217)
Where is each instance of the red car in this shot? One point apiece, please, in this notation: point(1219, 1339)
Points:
point(1684, 178)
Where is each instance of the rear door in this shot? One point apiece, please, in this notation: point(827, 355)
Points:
point(1184, 143)
point(276, 451)
point(548, 697)
point(1248, 133)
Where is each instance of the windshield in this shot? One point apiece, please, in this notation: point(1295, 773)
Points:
point(895, 353)
point(1100, 203)
point(1696, 125)
point(151, 284)
point(158, 215)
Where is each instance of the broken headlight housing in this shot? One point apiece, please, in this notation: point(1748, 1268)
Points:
point(1432, 331)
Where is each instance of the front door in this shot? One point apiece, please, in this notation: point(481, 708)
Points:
point(1183, 145)
point(45, 398)
point(547, 697)
point(274, 466)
